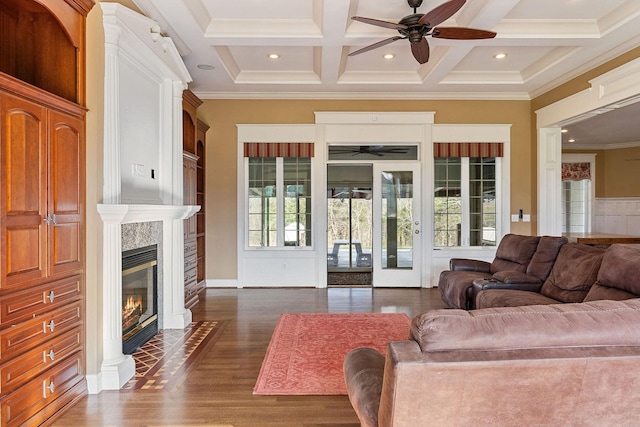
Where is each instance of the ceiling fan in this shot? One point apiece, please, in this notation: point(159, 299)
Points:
point(375, 150)
point(417, 26)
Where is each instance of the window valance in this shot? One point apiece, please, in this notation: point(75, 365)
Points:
point(576, 171)
point(468, 149)
point(278, 149)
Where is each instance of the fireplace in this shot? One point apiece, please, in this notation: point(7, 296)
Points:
point(139, 297)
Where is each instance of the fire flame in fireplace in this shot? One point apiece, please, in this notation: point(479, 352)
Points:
point(131, 311)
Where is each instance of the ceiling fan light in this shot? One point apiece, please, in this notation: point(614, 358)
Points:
point(500, 55)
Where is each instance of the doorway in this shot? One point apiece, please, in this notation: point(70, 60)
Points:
point(373, 224)
point(349, 224)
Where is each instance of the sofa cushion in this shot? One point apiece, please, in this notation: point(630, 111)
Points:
point(599, 292)
point(510, 298)
point(545, 256)
point(620, 268)
point(573, 273)
point(514, 253)
point(588, 324)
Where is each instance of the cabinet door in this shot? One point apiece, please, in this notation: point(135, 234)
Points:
point(23, 158)
point(189, 195)
point(66, 192)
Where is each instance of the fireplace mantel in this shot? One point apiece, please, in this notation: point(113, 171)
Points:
point(142, 173)
point(127, 214)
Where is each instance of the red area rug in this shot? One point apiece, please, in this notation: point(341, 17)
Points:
point(306, 351)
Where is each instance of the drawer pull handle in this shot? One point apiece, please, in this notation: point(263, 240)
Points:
point(51, 325)
point(51, 355)
point(51, 387)
point(51, 296)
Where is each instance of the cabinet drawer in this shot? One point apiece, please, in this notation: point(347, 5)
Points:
point(46, 394)
point(32, 363)
point(25, 304)
point(30, 333)
point(190, 247)
point(190, 275)
point(190, 262)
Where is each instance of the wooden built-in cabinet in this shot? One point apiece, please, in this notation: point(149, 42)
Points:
point(193, 194)
point(42, 208)
point(200, 201)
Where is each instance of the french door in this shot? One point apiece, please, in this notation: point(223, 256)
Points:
point(397, 225)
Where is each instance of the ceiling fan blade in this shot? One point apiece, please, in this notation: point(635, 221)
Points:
point(376, 45)
point(461, 33)
point(379, 23)
point(441, 13)
point(420, 51)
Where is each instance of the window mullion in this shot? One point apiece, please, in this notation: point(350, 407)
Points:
point(464, 193)
point(280, 200)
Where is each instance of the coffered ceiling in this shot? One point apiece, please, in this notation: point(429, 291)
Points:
point(226, 47)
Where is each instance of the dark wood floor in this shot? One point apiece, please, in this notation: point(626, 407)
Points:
point(218, 390)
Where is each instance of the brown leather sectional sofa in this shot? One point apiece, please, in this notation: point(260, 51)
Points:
point(525, 259)
point(543, 365)
point(563, 350)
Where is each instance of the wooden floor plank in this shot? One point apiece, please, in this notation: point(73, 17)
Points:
point(218, 389)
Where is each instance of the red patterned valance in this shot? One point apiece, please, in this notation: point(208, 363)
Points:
point(278, 149)
point(576, 171)
point(467, 149)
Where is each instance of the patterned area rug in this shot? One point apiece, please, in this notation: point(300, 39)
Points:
point(164, 359)
point(306, 351)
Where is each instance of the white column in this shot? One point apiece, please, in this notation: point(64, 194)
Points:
point(117, 368)
point(174, 314)
point(549, 181)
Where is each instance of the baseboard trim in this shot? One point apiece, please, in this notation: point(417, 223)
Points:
point(221, 283)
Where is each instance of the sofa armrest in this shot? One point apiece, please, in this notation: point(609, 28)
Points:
point(463, 264)
point(484, 284)
point(363, 373)
point(515, 277)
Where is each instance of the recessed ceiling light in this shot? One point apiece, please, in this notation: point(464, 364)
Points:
point(500, 55)
point(273, 56)
point(572, 140)
point(564, 130)
point(206, 67)
point(389, 56)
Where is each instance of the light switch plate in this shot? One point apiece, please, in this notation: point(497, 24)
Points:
point(515, 218)
point(526, 218)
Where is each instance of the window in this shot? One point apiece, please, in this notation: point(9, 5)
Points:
point(263, 209)
point(279, 195)
point(578, 171)
point(465, 198)
point(297, 201)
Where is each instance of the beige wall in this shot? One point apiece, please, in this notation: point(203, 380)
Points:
point(621, 173)
point(610, 176)
point(617, 171)
point(223, 115)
